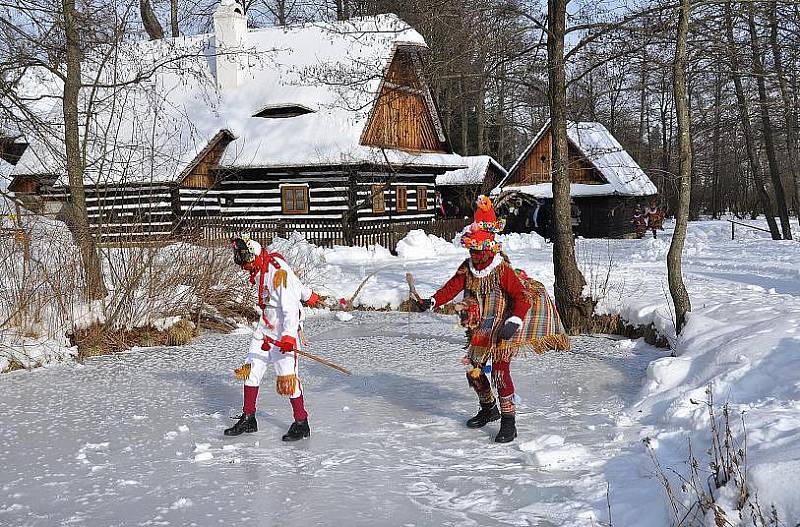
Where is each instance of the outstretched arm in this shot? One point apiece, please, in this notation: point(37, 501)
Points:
point(449, 290)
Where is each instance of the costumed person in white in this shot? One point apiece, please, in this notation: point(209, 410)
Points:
point(275, 338)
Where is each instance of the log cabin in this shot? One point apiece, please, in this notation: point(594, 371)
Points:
point(606, 184)
point(459, 189)
point(323, 124)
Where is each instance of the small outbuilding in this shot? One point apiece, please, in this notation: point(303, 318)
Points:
point(606, 184)
point(458, 189)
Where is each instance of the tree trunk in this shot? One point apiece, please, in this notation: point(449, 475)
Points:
point(464, 119)
point(772, 159)
point(789, 113)
point(716, 140)
point(173, 17)
point(150, 20)
point(677, 289)
point(501, 116)
point(480, 115)
point(95, 288)
point(747, 129)
point(642, 104)
point(575, 310)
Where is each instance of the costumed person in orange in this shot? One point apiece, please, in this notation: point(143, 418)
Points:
point(639, 221)
point(275, 338)
point(655, 217)
point(504, 312)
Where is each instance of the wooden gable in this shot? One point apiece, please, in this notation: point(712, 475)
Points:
point(198, 174)
point(24, 185)
point(537, 165)
point(404, 115)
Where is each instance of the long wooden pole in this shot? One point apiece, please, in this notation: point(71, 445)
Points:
point(325, 362)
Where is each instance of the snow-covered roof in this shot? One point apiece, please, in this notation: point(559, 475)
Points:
point(622, 174)
point(473, 174)
point(152, 129)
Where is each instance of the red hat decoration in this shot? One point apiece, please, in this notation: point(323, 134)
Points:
point(479, 235)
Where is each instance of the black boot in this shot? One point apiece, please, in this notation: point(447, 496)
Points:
point(246, 423)
point(297, 431)
point(508, 429)
point(487, 413)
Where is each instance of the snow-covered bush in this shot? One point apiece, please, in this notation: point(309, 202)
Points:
point(307, 260)
point(43, 311)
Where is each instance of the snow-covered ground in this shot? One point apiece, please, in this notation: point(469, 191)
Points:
point(124, 438)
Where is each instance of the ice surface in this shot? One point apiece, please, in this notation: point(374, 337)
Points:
point(388, 445)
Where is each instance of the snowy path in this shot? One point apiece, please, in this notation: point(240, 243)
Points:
point(122, 440)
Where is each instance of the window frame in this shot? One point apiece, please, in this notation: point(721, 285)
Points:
point(422, 204)
point(378, 197)
point(397, 201)
point(284, 202)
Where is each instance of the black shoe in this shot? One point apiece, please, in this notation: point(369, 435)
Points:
point(297, 431)
point(246, 423)
point(508, 429)
point(486, 415)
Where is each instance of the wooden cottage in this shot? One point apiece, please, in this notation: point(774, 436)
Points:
point(327, 128)
point(460, 188)
point(605, 184)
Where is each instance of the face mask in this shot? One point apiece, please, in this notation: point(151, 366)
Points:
point(241, 252)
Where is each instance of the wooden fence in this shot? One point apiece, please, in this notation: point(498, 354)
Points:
point(324, 233)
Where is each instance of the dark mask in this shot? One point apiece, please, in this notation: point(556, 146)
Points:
point(241, 253)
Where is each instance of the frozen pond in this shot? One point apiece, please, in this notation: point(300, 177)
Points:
point(136, 438)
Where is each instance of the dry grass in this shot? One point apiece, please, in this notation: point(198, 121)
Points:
point(697, 497)
point(98, 339)
point(615, 325)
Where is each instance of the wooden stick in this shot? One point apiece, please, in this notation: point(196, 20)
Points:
point(323, 361)
point(412, 289)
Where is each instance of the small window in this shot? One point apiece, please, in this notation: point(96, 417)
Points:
point(402, 199)
point(294, 200)
point(378, 203)
point(422, 198)
point(283, 111)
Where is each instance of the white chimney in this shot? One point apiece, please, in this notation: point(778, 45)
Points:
point(230, 28)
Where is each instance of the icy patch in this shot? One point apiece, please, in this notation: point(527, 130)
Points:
point(181, 503)
point(343, 316)
point(204, 456)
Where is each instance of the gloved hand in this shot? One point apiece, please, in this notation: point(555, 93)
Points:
point(426, 304)
point(287, 344)
point(313, 300)
point(510, 328)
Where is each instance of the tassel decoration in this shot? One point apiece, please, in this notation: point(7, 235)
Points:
point(243, 371)
point(286, 384)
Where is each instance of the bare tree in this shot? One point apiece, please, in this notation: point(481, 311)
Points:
point(789, 108)
point(173, 17)
point(766, 126)
point(573, 307)
point(95, 288)
point(744, 116)
point(680, 297)
point(150, 20)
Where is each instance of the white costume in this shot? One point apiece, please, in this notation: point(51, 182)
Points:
point(281, 294)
